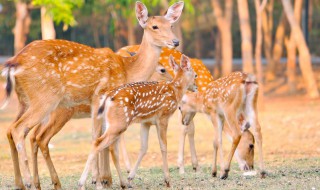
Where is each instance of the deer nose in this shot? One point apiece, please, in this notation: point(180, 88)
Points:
point(175, 42)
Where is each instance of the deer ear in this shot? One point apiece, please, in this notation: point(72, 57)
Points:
point(141, 14)
point(185, 63)
point(173, 64)
point(174, 12)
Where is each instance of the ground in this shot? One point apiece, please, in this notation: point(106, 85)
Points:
point(291, 134)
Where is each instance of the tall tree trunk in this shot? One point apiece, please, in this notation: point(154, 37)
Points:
point(131, 35)
point(267, 26)
point(21, 28)
point(292, 49)
point(47, 26)
point(217, 53)
point(224, 26)
point(197, 37)
point(259, 10)
point(277, 48)
point(246, 42)
point(304, 54)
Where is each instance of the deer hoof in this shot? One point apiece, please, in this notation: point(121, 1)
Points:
point(214, 174)
point(263, 174)
point(224, 175)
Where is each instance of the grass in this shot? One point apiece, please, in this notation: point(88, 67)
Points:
point(289, 174)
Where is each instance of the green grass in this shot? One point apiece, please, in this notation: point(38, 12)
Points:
point(282, 175)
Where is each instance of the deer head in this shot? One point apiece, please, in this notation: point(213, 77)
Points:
point(158, 29)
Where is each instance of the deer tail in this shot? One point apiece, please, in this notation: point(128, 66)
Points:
point(8, 73)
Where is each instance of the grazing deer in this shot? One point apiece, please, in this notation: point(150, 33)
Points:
point(48, 75)
point(145, 102)
point(233, 99)
point(245, 151)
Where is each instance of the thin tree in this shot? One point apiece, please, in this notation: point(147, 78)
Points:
point(267, 26)
point(22, 25)
point(277, 50)
point(259, 9)
point(292, 49)
point(304, 54)
point(224, 18)
point(246, 42)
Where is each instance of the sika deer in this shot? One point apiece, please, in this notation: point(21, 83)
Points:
point(145, 102)
point(245, 149)
point(232, 98)
point(58, 74)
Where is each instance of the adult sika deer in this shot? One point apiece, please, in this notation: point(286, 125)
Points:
point(49, 75)
point(145, 102)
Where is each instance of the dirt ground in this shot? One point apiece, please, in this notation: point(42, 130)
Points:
point(291, 142)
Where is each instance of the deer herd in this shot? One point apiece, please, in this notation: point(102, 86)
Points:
point(56, 80)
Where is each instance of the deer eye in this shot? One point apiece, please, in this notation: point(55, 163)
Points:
point(163, 70)
point(195, 76)
point(155, 27)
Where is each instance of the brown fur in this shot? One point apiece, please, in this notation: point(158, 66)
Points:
point(142, 102)
point(233, 99)
point(58, 74)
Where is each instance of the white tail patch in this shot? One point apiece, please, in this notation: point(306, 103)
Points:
point(8, 73)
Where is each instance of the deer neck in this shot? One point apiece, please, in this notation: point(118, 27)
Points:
point(141, 66)
point(179, 87)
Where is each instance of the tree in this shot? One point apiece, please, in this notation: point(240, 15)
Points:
point(277, 48)
point(58, 11)
point(21, 28)
point(224, 18)
point(304, 54)
point(246, 42)
point(267, 26)
point(259, 9)
point(292, 49)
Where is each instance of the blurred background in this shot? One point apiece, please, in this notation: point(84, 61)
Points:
point(221, 33)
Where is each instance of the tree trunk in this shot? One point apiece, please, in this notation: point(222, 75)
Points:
point(95, 31)
point(47, 26)
point(277, 48)
point(197, 38)
point(304, 54)
point(267, 25)
point(131, 36)
point(224, 26)
point(246, 42)
point(259, 10)
point(21, 28)
point(291, 49)
point(217, 54)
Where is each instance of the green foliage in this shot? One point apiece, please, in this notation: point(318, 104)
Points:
point(60, 10)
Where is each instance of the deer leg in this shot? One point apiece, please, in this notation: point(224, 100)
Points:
point(144, 134)
point(104, 163)
point(162, 136)
point(98, 145)
point(258, 137)
point(215, 151)
point(57, 120)
point(34, 155)
point(14, 154)
point(125, 153)
point(217, 122)
point(232, 121)
point(19, 130)
point(183, 133)
point(192, 146)
point(115, 158)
